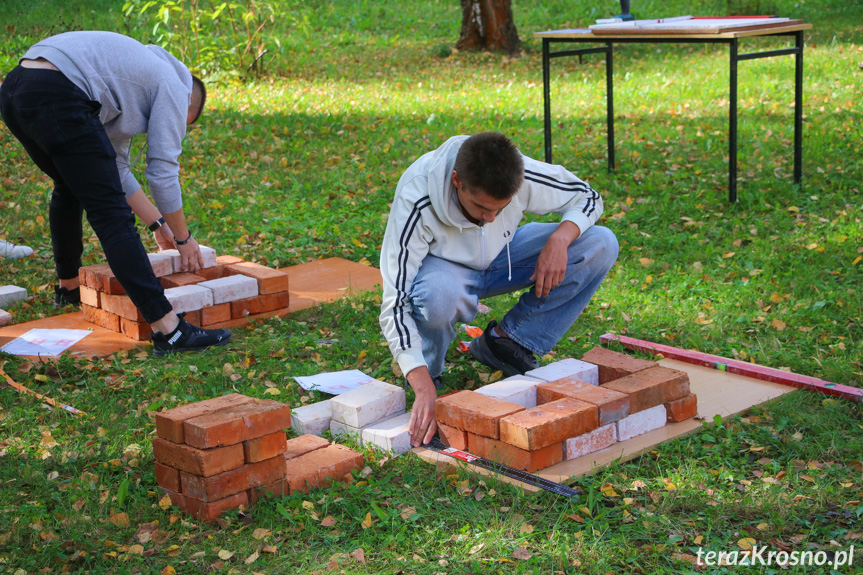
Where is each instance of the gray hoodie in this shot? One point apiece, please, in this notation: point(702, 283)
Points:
point(142, 89)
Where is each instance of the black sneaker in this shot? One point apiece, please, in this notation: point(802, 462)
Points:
point(64, 297)
point(502, 353)
point(188, 337)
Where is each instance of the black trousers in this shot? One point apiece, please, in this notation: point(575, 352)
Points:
point(59, 127)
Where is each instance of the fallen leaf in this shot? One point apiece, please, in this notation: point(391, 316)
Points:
point(359, 555)
point(119, 519)
point(521, 553)
point(476, 549)
point(165, 503)
point(260, 533)
point(527, 529)
point(224, 554)
point(328, 521)
point(746, 543)
point(778, 324)
point(168, 570)
point(367, 522)
point(251, 558)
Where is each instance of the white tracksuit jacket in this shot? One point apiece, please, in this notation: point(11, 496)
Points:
point(425, 219)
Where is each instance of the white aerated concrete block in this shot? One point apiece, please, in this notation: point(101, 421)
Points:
point(10, 293)
point(5, 317)
point(599, 438)
point(518, 389)
point(339, 429)
point(641, 422)
point(209, 256)
point(574, 368)
point(163, 265)
point(314, 418)
point(231, 288)
point(189, 298)
point(175, 259)
point(368, 403)
point(390, 435)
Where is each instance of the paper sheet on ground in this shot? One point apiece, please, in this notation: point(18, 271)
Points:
point(335, 382)
point(45, 341)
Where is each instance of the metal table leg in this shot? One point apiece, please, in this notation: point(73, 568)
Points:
point(546, 96)
point(798, 107)
point(609, 82)
point(732, 125)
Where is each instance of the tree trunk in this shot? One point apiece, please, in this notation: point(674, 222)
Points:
point(488, 25)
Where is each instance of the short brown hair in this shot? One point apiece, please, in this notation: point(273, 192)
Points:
point(490, 162)
point(199, 97)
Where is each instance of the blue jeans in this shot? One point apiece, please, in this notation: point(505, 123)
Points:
point(59, 127)
point(444, 293)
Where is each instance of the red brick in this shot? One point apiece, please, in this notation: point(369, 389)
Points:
point(215, 272)
point(169, 424)
point(304, 444)
point(259, 304)
point(100, 278)
point(269, 280)
point(215, 314)
point(614, 365)
point(474, 412)
point(612, 405)
point(558, 389)
point(530, 461)
point(315, 468)
point(237, 424)
point(180, 279)
point(90, 296)
point(452, 437)
point(226, 260)
point(207, 511)
point(278, 488)
point(265, 447)
point(234, 481)
point(548, 424)
point(122, 306)
point(203, 462)
point(683, 408)
point(138, 330)
point(651, 387)
point(101, 317)
point(168, 477)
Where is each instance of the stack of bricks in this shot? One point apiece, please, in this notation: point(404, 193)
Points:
point(226, 288)
point(565, 410)
point(371, 414)
point(223, 453)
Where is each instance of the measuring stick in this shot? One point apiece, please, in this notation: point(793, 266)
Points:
point(739, 367)
point(512, 473)
point(21, 389)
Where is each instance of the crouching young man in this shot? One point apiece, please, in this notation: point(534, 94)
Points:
point(453, 238)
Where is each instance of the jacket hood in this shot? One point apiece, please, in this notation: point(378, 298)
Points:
point(440, 186)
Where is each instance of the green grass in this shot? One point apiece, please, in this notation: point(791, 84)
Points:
point(302, 164)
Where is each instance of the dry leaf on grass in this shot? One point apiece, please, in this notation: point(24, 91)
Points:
point(522, 553)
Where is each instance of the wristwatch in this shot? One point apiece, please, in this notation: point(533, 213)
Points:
point(157, 224)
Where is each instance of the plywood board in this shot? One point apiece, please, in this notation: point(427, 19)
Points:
point(619, 35)
point(310, 284)
point(719, 393)
point(330, 279)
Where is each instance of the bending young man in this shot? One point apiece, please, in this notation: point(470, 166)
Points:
point(453, 238)
point(74, 102)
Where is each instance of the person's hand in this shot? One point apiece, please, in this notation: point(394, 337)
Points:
point(164, 238)
point(551, 264)
point(423, 424)
point(191, 259)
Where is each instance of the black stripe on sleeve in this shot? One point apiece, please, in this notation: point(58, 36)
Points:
point(401, 276)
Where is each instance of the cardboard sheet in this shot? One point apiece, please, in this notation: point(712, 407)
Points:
point(719, 393)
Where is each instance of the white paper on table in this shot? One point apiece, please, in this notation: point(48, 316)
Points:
point(44, 341)
point(334, 382)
